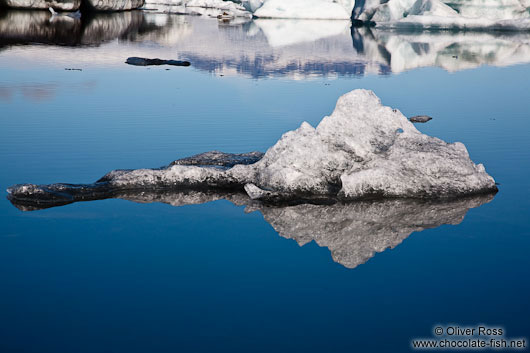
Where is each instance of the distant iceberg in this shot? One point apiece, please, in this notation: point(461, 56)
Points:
point(363, 150)
point(423, 14)
point(306, 9)
point(292, 9)
point(447, 14)
point(211, 8)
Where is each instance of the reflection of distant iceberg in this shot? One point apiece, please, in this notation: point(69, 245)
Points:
point(451, 51)
point(295, 48)
point(24, 27)
point(353, 232)
point(103, 27)
point(262, 48)
point(300, 31)
point(35, 26)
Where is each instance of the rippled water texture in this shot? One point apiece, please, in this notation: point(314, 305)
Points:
point(208, 272)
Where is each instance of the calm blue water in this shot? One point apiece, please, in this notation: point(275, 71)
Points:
point(119, 276)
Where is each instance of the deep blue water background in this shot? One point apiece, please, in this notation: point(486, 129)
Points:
point(118, 276)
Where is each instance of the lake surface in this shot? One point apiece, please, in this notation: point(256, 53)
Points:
point(121, 276)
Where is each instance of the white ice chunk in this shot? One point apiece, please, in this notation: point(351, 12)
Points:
point(440, 14)
point(365, 149)
point(306, 9)
point(211, 8)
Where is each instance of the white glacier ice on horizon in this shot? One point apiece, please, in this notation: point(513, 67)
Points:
point(429, 14)
point(445, 14)
point(294, 9)
point(425, 14)
point(211, 8)
point(305, 9)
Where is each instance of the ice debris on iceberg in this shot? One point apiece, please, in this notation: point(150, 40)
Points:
point(446, 14)
point(362, 150)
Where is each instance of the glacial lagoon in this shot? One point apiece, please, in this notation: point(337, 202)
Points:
point(206, 272)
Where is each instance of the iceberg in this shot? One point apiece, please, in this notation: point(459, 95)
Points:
point(73, 5)
point(252, 5)
point(292, 9)
point(225, 6)
point(424, 14)
point(447, 14)
point(61, 5)
point(305, 9)
point(363, 150)
point(212, 8)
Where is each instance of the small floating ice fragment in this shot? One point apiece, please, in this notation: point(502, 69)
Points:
point(420, 119)
point(136, 61)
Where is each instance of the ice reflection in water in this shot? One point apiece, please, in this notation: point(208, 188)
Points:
point(30, 27)
point(353, 232)
point(263, 48)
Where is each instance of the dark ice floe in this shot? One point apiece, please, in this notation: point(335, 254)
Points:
point(220, 159)
point(362, 150)
point(137, 61)
point(420, 119)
